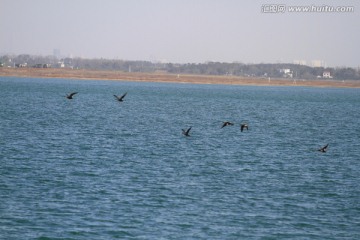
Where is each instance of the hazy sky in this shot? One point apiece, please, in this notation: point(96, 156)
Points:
point(182, 30)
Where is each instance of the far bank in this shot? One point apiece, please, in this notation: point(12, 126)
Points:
point(170, 78)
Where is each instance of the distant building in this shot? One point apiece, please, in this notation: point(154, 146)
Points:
point(21, 65)
point(300, 62)
point(61, 64)
point(327, 74)
point(317, 63)
point(287, 73)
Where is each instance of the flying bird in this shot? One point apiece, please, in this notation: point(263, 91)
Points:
point(70, 96)
point(120, 99)
point(323, 149)
point(186, 132)
point(227, 124)
point(243, 126)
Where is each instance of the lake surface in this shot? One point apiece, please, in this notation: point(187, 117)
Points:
point(95, 168)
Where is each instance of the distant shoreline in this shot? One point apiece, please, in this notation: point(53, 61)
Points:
point(170, 78)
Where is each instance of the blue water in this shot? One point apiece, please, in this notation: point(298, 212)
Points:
point(94, 168)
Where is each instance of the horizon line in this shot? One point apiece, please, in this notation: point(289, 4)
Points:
point(164, 61)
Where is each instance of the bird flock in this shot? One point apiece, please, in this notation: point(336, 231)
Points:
point(186, 132)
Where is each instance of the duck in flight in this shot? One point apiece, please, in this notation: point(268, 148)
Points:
point(70, 96)
point(227, 124)
point(186, 132)
point(120, 99)
point(243, 126)
point(323, 149)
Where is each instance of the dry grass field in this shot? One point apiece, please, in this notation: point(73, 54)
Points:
point(169, 78)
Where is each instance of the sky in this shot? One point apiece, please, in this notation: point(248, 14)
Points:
point(183, 31)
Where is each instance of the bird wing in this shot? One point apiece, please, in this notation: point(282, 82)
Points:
point(323, 149)
point(72, 94)
point(187, 131)
point(121, 98)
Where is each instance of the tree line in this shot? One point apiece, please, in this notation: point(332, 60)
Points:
point(262, 70)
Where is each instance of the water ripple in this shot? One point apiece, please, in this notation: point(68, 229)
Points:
point(96, 169)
